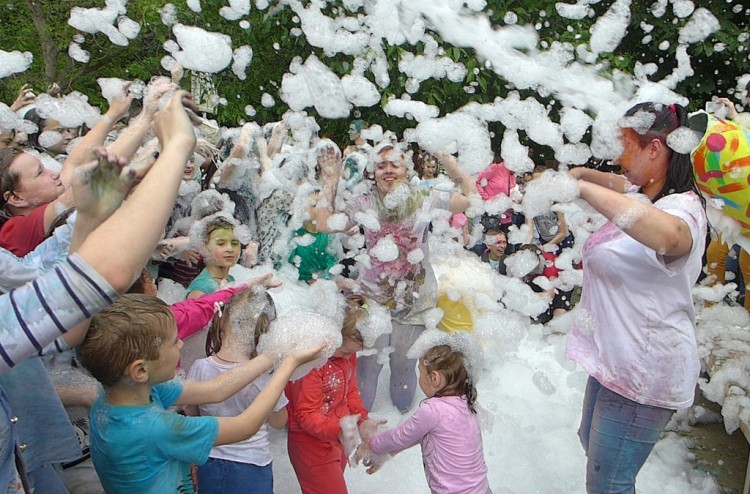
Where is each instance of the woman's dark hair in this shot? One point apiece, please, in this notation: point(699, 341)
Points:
point(33, 116)
point(668, 118)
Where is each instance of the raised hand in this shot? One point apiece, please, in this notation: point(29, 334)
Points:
point(308, 354)
point(25, 97)
point(153, 94)
point(172, 123)
point(266, 280)
point(329, 159)
point(120, 105)
point(99, 188)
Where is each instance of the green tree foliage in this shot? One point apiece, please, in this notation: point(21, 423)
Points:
point(41, 28)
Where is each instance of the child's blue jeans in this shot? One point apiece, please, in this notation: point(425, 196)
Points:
point(617, 435)
point(218, 476)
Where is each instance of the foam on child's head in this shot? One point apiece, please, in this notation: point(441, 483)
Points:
point(247, 316)
point(460, 341)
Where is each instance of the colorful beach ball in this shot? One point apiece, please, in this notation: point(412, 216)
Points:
point(721, 164)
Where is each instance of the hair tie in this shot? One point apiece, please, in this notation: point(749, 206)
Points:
point(219, 308)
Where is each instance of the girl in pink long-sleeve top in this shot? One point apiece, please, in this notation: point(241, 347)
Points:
point(446, 426)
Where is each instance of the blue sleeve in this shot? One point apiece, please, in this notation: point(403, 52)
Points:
point(178, 437)
point(167, 393)
point(17, 271)
point(187, 439)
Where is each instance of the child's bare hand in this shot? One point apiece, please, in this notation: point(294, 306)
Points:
point(308, 354)
point(153, 94)
point(100, 187)
point(266, 280)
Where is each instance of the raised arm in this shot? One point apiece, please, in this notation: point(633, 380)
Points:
point(665, 233)
point(611, 181)
point(83, 151)
point(120, 247)
point(459, 202)
point(329, 161)
point(225, 384)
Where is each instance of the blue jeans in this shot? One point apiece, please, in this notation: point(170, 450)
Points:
point(617, 435)
point(218, 476)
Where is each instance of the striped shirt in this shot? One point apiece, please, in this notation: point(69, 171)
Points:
point(37, 313)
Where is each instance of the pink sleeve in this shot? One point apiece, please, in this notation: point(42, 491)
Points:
point(194, 314)
point(409, 433)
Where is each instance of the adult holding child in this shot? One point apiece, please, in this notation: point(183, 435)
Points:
point(405, 284)
point(640, 352)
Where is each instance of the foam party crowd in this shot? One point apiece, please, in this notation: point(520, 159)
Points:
point(191, 306)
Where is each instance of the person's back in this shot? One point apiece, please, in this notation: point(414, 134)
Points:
point(145, 448)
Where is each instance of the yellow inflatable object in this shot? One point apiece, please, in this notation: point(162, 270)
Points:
point(721, 164)
point(456, 317)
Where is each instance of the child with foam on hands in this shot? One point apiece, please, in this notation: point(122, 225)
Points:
point(319, 401)
point(446, 424)
point(137, 445)
point(232, 341)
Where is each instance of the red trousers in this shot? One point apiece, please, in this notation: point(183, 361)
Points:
point(319, 466)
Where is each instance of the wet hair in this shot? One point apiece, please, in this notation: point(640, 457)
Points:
point(132, 328)
point(450, 364)
point(9, 181)
point(668, 118)
point(354, 311)
point(224, 320)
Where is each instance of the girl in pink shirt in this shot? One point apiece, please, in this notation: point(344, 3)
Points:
point(445, 425)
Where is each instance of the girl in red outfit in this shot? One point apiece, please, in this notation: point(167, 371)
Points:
point(317, 402)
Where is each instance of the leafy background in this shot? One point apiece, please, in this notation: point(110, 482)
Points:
point(41, 28)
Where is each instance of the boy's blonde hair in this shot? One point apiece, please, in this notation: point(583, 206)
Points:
point(132, 328)
point(450, 364)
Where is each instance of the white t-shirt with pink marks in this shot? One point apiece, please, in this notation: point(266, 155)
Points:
point(634, 327)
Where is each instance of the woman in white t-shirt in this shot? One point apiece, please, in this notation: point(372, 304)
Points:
point(635, 330)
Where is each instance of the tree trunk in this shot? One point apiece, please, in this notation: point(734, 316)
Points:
point(47, 43)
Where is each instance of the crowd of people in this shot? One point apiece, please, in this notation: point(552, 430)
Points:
point(91, 219)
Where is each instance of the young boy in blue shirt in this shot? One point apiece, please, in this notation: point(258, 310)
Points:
point(137, 445)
